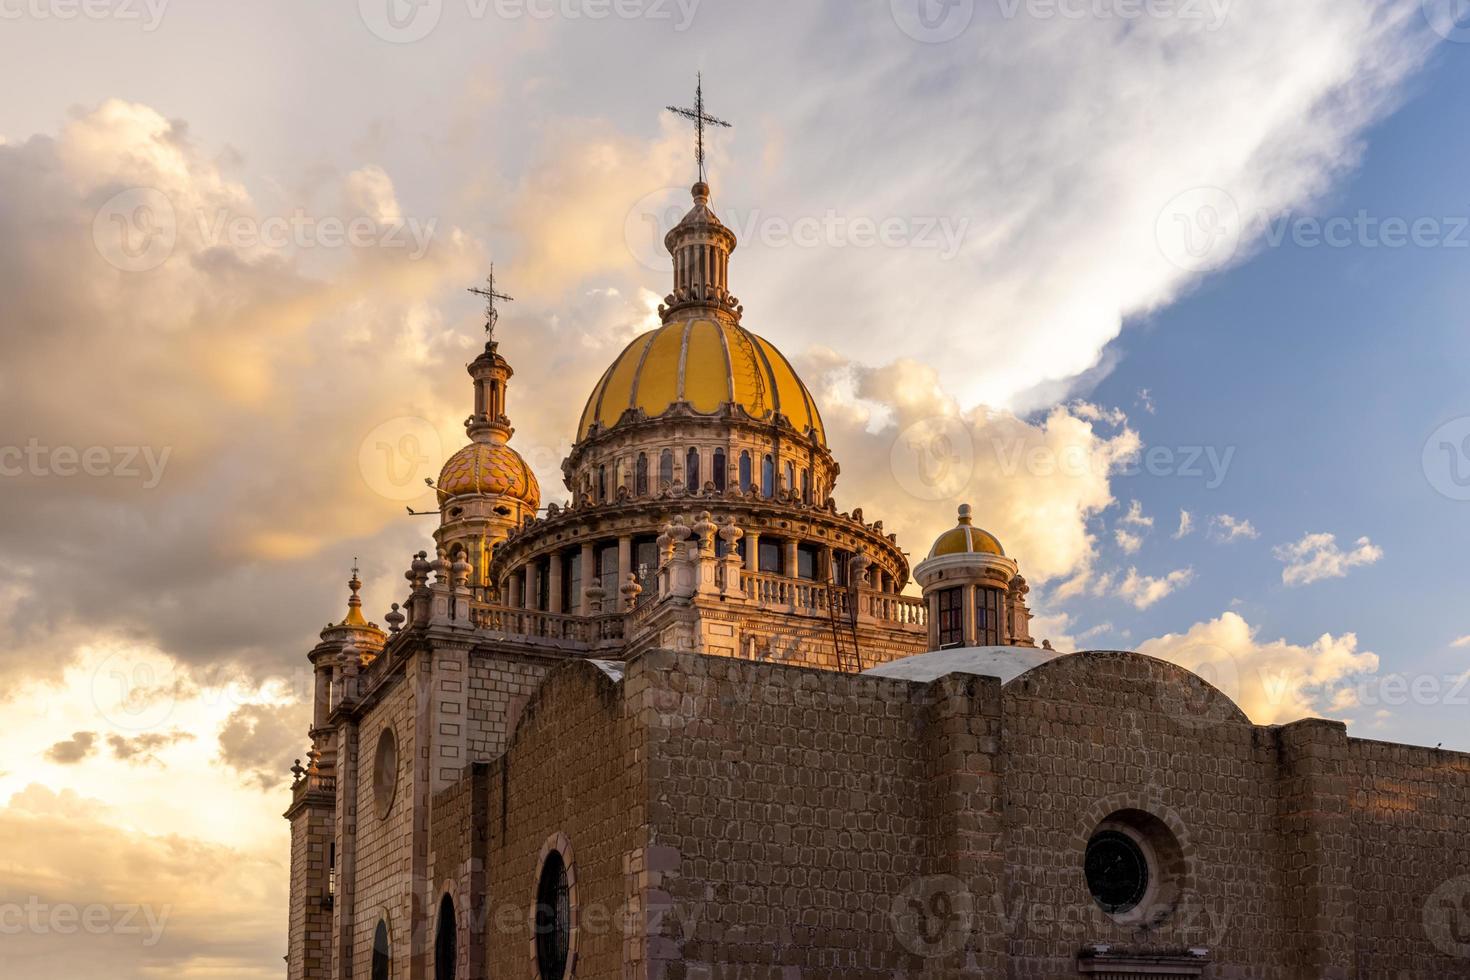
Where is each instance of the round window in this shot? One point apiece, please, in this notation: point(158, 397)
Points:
point(385, 772)
point(1117, 871)
point(553, 918)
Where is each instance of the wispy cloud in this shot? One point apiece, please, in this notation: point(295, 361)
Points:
point(1226, 527)
point(1317, 557)
point(1186, 525)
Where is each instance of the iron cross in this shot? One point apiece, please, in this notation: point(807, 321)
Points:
point(492, 315)
point(700, 119)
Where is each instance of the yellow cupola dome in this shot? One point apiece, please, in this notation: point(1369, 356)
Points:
point(490, 469)
point(705, 362)
point(966, 539)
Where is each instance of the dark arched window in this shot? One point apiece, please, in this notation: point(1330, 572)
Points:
point(790, 478)
point(768, 477)
point(666, 469)
point(806, 485)
point(691, 470)
point(382, 959)
point(719, 470)
point(446, 942)
point(641, 474)
point(602, 484)
point(553, 918)
point(746, 478)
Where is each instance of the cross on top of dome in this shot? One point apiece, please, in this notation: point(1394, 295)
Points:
point(700, 118)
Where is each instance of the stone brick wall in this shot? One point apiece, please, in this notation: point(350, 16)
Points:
point(1410, 867)
point(458, 842)
point(1089, 735)
point(384, 847)
point(309, 956)
point(571, 769)
point(785, 813)
point(500, 687)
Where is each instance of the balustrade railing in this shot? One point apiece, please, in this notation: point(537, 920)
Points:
point(817, 598)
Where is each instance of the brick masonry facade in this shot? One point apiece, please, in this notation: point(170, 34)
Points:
point(724, 818)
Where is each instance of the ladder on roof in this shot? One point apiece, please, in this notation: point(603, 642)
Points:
point(849, 659)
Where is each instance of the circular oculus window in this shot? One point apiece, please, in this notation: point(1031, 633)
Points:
point(1117, 871)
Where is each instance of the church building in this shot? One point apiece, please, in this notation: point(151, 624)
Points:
point(693, 724)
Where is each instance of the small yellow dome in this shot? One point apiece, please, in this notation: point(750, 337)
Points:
point(966, 539)
point(489, 468)
point(707, 363)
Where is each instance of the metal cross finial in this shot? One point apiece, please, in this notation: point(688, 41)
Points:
point(492, 315)
point(700, 119)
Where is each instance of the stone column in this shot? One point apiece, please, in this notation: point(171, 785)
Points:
point(532, 587)
point(972, 627)
point(1314, 832)
point(791, 562)
point(752, 551)
point(625, 568)
point(515, 590)
point(554, 585)
point(589, 574)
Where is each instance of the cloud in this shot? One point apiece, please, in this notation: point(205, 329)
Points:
point(162, 895)
point(910, 455)
point(1462, 642)
point(1273, 681)
point(1128, 541)
point(140, 749)
point(1224, 527)
point(260, 741)
point(1317, 556)
point(73, 750)
point(1186, 525)
point(1145, 590)
point(262, 480)
point(1135, 515)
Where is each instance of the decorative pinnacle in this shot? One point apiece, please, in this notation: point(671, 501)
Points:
point(700, 118)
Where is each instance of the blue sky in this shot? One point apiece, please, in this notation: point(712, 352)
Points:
point(1327, 369)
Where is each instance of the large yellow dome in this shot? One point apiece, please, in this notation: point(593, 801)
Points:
point(706, 363)
point(489, 468)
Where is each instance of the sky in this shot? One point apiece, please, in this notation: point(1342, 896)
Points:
point(1171, 291)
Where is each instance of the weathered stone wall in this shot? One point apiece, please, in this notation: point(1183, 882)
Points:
point(1410, 816)
point(1089, 735)
point(383, 886)
point(309, 955)
point(786, 815)
point(570, 774)
point(500, 687)
point(458, 842)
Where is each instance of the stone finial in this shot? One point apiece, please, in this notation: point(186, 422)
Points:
point(594, 594)
point(459, 572)
point(731, 533)
point(297, 772)
point(418, 571)
point(313, 757)
point(630, 591)
point(394, 619)
point(704, 531)
point(441, 566)
point(679, 532)
point(665, 544)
